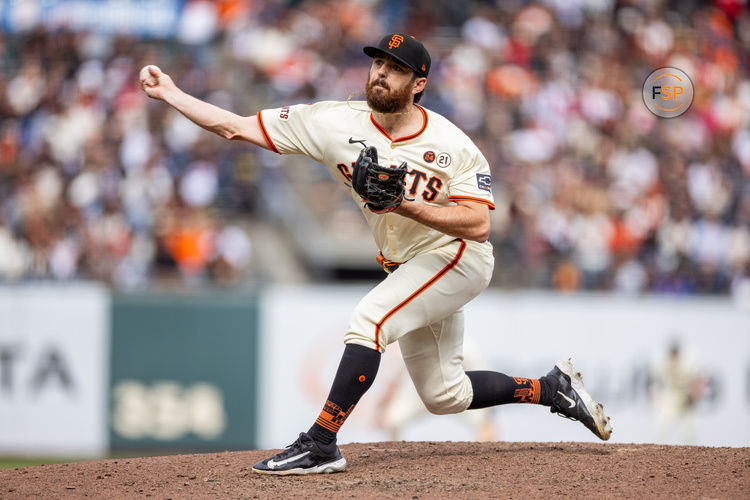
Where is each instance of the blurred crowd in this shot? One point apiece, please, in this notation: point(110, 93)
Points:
point(593, 192)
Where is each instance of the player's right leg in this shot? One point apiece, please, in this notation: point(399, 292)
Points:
point(433, 354)
point(561, 389)
point(433, 357)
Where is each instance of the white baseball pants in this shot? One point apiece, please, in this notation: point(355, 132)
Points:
point(420, 305)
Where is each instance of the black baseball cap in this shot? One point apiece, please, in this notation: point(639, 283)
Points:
point(405, 49)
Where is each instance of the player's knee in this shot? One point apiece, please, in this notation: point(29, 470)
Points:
point(446, 396)
point(444, 405)
point(454, 399)
point(439, 407)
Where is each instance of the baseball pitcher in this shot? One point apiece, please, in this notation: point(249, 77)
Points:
point(425, 190)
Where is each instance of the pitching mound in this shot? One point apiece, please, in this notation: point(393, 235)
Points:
point(410, 470)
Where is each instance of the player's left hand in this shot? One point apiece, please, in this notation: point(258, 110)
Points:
point(382, 188)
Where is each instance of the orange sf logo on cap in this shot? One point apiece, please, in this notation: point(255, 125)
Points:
point(395, 41)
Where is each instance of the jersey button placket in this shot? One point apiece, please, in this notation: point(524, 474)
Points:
point(392, 240)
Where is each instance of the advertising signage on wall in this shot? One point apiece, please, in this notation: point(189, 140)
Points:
point(146, 18)
point(622, 345)
point(183, 372)
point(54, 346)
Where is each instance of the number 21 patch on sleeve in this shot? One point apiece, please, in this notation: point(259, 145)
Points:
point(484, 181)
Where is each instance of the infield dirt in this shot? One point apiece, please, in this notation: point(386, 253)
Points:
point(409, 470)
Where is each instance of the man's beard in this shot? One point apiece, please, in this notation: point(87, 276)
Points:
point(383, 100)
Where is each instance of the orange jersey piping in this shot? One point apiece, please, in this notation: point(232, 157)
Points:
point(265, 133)
point(425, 119)
point(421, 289)
point(472, 198)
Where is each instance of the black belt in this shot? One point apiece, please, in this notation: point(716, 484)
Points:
point(388, 265)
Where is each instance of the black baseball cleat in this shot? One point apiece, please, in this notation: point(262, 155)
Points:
point(304, 456)
point(571, 400)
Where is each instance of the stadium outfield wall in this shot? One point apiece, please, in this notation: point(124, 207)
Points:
point(54, 366)
point(84, 372)
point(618, 343)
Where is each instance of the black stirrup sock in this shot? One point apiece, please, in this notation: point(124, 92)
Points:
point(356, 372)
point(494, 388)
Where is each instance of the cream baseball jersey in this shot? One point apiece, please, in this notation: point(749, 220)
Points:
point(444, 165)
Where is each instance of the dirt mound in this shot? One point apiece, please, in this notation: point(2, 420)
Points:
point(409, 470)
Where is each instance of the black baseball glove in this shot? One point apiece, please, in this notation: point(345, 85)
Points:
point(382, 188)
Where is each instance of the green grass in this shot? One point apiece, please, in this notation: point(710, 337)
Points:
point(9, 462)
point(13, 462)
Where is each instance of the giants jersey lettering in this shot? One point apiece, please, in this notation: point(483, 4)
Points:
point(444, 165)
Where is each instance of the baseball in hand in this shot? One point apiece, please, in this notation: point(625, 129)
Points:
point(146, 76)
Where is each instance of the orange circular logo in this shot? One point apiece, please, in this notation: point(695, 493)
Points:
point(395, 41)
point(429, 156)
point(668, 92)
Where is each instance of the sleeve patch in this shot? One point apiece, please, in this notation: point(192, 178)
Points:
point(484, 182)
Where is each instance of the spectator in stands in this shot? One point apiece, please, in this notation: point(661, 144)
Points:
point(592, 191)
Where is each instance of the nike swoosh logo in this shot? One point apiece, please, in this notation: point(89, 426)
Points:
point(572, 404)
point(273, 465)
